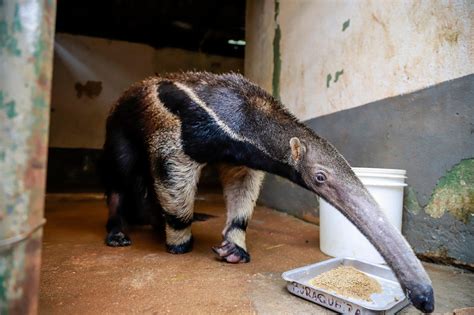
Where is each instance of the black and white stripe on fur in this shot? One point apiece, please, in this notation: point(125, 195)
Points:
point(182, 122)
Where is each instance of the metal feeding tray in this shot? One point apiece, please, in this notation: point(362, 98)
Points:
point(391, 300)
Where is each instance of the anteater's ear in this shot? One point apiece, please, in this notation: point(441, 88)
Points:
point(297, 149)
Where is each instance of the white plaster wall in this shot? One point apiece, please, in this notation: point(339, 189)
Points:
point(259, 25)
point(79, 122)
point(390, 48)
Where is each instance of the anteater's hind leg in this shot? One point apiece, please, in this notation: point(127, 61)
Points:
point(120, 175)
point(241, 188)
point(175, 185)
point(116, 223)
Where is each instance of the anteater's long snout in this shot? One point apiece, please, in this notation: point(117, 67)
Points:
point(362, 210)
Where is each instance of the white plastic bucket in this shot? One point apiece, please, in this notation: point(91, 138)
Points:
point(340, 238)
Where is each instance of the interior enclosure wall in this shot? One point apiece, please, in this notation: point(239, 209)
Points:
point(391, 85)
point(89, 76)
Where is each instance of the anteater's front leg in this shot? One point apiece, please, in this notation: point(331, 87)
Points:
point(241, 188)
point(175, 186)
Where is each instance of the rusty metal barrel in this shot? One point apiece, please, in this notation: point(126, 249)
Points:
point(26, 53)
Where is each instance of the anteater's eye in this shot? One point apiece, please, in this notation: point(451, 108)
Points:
point(321, 177)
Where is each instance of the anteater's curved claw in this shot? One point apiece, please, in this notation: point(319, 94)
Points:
point(231, 253)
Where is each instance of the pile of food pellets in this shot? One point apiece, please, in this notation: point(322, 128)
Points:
point(347, 281)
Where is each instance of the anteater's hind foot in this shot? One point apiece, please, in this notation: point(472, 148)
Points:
point(117, 239)
point(232, 253)
point(116, 236)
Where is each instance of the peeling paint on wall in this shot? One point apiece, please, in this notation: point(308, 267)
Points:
point(388, 50)
point(328, 80)
point(430, 137)
point(26, 38)
point(346, 24)
point(8, 107)
point(338, 74)
point(8, 41)
point(38, 55)
point(276, 53)
point(454, 193)
point(16, 23)
point(410, 201)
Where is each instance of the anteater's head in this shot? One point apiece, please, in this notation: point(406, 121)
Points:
point(325, 172)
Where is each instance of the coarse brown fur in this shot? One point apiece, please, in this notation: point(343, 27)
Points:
point(163, 130)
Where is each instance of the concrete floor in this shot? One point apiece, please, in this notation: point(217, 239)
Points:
point(80, 275)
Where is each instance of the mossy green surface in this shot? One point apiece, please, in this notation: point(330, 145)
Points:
point(410, 201)
point(454, 193)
